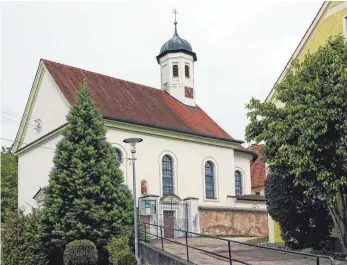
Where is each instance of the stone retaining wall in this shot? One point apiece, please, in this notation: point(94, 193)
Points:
point(222, 221)
point(155, 256)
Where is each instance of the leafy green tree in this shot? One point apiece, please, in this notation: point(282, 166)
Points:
point(304, 219)
point(85, 198)
point(21, 242)
point(9, 184)
point(309, 132)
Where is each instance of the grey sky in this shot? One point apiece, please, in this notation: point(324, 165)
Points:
point(242, 47)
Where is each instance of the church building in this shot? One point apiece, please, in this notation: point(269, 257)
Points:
point(185, 155)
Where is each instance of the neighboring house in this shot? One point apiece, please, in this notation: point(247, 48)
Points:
point(331, 20)
point(185, 154)
point(258, 170)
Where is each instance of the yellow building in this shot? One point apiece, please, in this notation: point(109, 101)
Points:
point(331, 20)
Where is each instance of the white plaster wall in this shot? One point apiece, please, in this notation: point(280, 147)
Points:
point(258, 189)
point(50, 107)
point(246, 204)
point(188, 166)
point(242, 163)
point(250, 204)
point(175, 85)
point(34, 167)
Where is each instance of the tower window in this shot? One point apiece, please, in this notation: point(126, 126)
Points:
point(175, 70)
point(186, 71)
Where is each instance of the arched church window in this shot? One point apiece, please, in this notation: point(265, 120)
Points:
point(167, 175)
point(238, 183)
point(175, 70)
point(119, 156)
point(186, 71)
point(210, 180)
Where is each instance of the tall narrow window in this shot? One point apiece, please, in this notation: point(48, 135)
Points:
point(119, 156)
point(167, 171)
point(186, 71)
point(175, 70)
point(238, 183)
point(210, 181)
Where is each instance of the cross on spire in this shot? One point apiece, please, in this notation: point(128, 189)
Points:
point(176, 13)
point(175, 22)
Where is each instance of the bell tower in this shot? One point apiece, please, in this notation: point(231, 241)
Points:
point(176, 60)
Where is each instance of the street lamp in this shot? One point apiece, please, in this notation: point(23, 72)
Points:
point(133, 142)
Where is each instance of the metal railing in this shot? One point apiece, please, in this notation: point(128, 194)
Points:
point(230, 258)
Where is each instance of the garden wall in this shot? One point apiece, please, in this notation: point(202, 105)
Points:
point(223, 221)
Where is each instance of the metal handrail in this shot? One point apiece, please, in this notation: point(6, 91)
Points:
point(318, 257)
point(187, 245)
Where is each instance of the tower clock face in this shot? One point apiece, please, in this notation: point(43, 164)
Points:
point(188, 92)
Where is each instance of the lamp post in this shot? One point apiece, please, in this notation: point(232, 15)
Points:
point(133, 142)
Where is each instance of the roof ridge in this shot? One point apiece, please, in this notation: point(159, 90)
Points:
point(92, 72)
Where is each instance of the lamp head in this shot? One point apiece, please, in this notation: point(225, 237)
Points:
point(133, 140)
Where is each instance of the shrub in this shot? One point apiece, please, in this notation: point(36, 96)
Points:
point(117, 245)
point(80, 252)
point(126, 258)
point(20, 242)
point(304, 219)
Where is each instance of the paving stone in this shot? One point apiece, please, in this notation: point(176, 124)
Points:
point(251, 255)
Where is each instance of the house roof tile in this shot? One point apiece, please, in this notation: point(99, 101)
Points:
point(127, 101)
point(249, 197)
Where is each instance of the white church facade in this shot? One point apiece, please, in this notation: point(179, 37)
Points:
point(184, 152)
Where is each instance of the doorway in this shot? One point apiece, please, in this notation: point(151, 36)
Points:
point(169, 223)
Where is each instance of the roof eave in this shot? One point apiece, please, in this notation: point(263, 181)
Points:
point(254, 154)
point(176, 51)
point(108, 117)
point(245, 198)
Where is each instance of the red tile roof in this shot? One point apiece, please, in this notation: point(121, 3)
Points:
point(130, 102)
point(249, 197)
point(258, 167)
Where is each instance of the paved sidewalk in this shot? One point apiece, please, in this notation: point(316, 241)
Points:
point(251, 255)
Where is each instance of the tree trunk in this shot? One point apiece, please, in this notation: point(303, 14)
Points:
point(336, 221)
point(344, 214)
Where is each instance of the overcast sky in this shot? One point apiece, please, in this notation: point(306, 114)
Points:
point(242, 47)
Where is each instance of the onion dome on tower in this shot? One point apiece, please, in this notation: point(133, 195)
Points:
point(176, 44)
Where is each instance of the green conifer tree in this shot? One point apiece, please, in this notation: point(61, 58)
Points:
point(85, 198)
